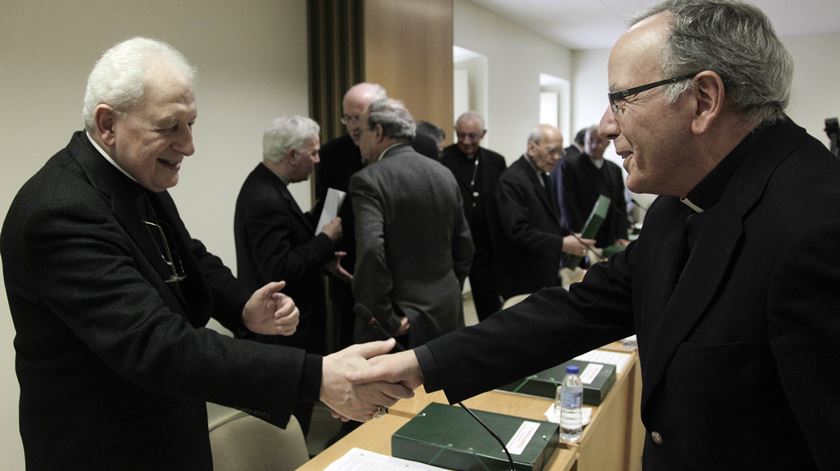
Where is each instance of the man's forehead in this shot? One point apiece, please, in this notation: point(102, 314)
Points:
point(469, 123)
point(636, 55)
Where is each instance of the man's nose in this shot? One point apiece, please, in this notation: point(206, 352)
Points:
point(184, 143)
point(608, 127)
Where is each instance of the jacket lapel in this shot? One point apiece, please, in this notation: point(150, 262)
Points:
point(542, 194)
point(714, 250)
point(129, 205)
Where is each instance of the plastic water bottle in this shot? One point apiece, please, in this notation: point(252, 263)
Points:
point(569, 400)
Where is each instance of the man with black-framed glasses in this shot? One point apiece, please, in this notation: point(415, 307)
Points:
point(731, 286)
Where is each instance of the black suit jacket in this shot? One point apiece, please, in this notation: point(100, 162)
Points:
point(115, 364)
point(340, 159)
point(477, 209)
point(276, 241)
point(737, 347)
point(583, 182)
point(527, 236)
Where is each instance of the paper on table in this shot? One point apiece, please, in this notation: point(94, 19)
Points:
point(332, 203)
point(362, 460)
point(620, 360)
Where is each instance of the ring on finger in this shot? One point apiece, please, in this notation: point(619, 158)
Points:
point(380, 412)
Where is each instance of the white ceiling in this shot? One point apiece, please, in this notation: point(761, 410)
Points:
point(592, 24)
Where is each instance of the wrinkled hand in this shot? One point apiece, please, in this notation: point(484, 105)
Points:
point(357, 401)
point(338, 271)
point(401, 368)
point(270, 312)
point(575, 245)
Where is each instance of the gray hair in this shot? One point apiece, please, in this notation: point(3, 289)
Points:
point(392, 115)
point(471, 115)
point(734, 39)
point(118, 78)
point(431, 130)
point(287, 133)
point(535, 135)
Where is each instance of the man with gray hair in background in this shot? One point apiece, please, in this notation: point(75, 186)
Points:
point(413, 244)
point(110, 294)
point(731, 286)
point(276, 240)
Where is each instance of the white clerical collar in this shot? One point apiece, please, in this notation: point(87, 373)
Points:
point(694, 207)
point(108, 157)
point(598, 163)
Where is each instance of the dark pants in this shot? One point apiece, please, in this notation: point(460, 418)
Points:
point(487, 300)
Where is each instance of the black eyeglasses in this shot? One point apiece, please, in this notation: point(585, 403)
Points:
point(616, 97)
point(174, 263)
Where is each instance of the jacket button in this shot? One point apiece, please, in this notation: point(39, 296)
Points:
point(656, 437)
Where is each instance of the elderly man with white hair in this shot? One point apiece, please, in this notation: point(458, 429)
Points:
point(110, 294)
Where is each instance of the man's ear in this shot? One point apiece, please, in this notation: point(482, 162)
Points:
point(379, 133)
point(105, 119)
point(710, 96)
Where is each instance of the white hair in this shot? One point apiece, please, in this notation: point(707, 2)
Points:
point(286, 133)
point(118, 78)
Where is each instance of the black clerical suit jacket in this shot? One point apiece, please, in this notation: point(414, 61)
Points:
point(583, 183)
point(738, 340)
point(114, 363)
point(276, 241)
point(527, 237)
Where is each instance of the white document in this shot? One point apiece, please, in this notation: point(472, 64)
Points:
point(588, 375)
point(362, 460)
point(522, 437)
point(332, 204)
point(620, 360)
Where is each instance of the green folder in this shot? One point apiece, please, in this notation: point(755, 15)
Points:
point(448, 437)
point(545, 383)
point(590, 229)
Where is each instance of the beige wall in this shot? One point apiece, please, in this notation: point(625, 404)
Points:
point(252, 64)
point(516, 57)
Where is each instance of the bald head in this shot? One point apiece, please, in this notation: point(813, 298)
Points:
point(545, 145)
point(355, 103)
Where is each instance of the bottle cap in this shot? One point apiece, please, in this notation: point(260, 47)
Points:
point(572, 369)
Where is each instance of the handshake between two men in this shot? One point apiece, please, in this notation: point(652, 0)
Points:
point(357, 382)
point(361, 381)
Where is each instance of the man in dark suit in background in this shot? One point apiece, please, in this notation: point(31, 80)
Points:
point(588, 175)
point(477, 171)
point(414, 245)
point(574, 149)
point(275, 240)
point(731, 286)
point(530, 240)
point(110, 295)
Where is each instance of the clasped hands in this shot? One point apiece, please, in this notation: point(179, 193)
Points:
point(356, 382)
point(359, 382)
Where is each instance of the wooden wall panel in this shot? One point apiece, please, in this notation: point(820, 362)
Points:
point(408, 49)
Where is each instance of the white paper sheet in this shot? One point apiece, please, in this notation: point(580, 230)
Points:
point(332, 203)
point(362, 460)
point(620, 360)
